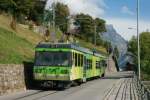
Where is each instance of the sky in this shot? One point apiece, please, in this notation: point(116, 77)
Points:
point(120, 13)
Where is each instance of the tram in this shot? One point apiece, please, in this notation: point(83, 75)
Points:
point(65, 63)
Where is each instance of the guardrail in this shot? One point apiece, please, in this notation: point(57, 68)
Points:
point(142, 91)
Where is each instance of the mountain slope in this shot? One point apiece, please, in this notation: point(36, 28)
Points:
point(112, 36)
point(116, 40)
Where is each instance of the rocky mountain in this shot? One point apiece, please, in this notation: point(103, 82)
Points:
point(116, 40)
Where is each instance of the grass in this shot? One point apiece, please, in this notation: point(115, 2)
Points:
point(91, 46)
point(14, 49)
point(16, 46)
point(21, 32)
point(145, 77)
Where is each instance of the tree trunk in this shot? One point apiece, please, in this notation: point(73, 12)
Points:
point(13, 23)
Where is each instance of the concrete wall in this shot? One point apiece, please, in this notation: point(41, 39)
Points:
point(12, 78)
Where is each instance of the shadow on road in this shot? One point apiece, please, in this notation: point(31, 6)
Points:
point(28, 73)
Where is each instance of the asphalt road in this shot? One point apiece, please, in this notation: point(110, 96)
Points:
point(92, 90)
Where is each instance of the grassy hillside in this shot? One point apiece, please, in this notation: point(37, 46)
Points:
point(16, 47)
point(91, 46)
point(21, 32)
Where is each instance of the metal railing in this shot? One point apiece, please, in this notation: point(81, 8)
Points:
point(142, 91)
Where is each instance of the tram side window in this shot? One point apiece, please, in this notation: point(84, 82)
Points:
point(97, 64)
point(87, 63)
point(90, 64)
point(76, 59)
point(81, 60)
point(102, 63)
point(73, 61)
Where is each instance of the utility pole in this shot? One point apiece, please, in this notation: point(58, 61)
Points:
point(138, 43)
point(95, 29)
point(54, 18)
point(108, 58)
point(54, 4)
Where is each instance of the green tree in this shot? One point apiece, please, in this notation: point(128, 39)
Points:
point(100, 23)
point(87, 27)
point(62, 14)
point(16, 8)
point(86, 24)
point(48, 17)
point(133, 45)
point(100, 27)
point(145, 51)
point(99, 41)
point(36, 12)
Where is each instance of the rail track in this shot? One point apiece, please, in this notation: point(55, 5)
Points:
point(43, 93)
point(36, 96)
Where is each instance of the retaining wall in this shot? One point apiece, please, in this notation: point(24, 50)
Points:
point(12, 78)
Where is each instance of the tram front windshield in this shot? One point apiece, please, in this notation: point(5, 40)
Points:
point(52, 58)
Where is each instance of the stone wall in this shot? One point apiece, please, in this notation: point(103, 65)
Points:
point(12, 78)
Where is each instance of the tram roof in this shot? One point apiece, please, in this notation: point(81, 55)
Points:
point(67, 45)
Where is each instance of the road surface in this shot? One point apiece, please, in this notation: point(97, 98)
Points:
point(99, 89)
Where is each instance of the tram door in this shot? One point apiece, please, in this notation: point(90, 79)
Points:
point(84, 69)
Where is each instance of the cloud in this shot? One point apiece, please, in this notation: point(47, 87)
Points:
point(126, 10)
point(122, 25)
point(94, 8)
